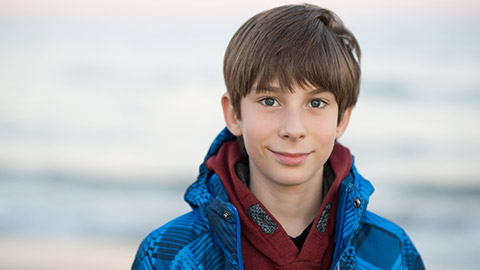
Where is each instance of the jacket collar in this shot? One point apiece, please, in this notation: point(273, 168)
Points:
point(354, 194)
point(209, 196)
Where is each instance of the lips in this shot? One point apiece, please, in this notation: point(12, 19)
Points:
point(290, 159)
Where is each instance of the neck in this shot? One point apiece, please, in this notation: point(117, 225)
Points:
point(294, 206)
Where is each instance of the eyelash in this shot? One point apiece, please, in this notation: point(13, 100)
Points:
point(322, 103)
point(263, 100)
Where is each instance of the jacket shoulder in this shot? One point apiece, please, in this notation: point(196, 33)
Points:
point(160, 248)
point(381, 244)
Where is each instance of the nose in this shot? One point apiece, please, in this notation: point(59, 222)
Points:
point(292, 125)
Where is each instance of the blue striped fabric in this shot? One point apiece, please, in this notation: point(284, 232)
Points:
point(225, 229)
point(217, 187)
point(162, 245)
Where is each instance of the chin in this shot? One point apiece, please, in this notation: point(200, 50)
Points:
point(292, 179)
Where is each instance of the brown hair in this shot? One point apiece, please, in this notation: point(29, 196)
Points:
point(302, 45)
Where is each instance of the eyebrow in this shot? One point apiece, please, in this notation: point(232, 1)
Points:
point(270, 88)
point(318, 91)
point(267, 88)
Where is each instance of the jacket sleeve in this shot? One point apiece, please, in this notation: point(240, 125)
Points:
point(381, 244)
point(144, 259)
point(160, 248)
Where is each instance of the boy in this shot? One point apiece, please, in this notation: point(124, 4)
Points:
point(276, 191)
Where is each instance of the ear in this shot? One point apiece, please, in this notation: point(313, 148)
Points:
point(342, 126)
point(233, 124)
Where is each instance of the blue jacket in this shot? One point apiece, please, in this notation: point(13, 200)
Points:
point(208, 237)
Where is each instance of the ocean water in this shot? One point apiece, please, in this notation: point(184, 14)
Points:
point(103, 127)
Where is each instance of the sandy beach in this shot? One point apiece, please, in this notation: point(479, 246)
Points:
point(24, 253)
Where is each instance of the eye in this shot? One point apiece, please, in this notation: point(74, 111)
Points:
point(316, 103)
point(268, 101)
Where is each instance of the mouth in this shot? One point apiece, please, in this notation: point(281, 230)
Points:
point(290, 159)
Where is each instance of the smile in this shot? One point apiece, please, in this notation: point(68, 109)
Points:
point(290, 159)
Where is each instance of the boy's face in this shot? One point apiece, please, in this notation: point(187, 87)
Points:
point(288, 136)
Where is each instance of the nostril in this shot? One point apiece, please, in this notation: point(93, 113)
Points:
point(294, 136)
point(292, 126)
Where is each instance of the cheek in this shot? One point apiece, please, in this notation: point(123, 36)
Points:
point(254, 132)
point(257, 131)
point(325, 131)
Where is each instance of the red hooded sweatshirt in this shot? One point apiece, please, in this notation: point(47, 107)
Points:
point(265, 244)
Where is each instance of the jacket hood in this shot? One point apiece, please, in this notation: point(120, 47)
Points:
point(198, 194)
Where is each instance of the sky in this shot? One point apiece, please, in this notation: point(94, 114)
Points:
point(125, 9)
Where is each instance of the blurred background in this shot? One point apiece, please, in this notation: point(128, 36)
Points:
point(107, 108)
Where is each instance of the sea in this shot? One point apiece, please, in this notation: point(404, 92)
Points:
point(103, 127)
